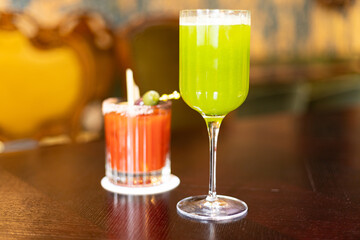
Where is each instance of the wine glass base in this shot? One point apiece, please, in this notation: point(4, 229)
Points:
point(224, 208)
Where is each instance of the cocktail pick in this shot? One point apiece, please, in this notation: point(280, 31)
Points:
point(174, 95)
point(152, 97)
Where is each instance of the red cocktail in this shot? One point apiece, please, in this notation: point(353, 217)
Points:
point(137, 142)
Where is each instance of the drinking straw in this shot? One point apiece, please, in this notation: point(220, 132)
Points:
point(132, 89)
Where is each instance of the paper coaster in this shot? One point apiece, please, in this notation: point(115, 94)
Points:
point(173, 182)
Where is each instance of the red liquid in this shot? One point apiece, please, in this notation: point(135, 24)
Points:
point(140, 143)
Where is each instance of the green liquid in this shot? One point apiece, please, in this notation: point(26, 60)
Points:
point(214, 67)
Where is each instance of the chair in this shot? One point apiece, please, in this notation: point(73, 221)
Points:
point(150, 47)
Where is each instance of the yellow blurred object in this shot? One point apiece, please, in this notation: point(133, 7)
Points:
point(49, 77)
point(37, 83)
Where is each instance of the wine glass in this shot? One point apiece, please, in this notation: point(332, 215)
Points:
point(214, 80)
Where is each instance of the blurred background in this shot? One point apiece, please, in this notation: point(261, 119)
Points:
point(60, 58)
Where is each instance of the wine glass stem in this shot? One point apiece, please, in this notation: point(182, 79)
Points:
point(213, 126)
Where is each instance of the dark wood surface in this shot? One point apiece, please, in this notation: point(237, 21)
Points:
point(299, 175)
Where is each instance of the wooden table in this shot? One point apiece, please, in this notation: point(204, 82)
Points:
point(299, 175)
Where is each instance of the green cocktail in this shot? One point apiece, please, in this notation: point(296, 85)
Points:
point(214, 67)
point(214, 80)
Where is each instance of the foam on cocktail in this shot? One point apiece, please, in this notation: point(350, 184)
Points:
point(219, 19)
